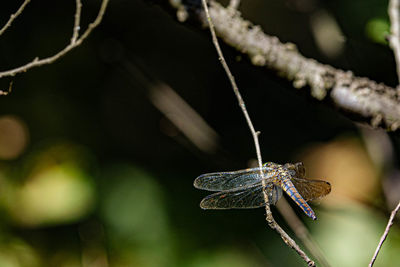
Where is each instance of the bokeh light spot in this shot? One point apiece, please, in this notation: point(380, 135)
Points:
point(13, 137)
point(132, 205)
point(59, 194)
point(134, 213)
point(346, 165)
point(377, 29)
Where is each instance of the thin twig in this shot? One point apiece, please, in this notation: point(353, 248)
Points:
point(8, 91)
point(75, 31)
point(14, 16)
point(234, 85)
point(95, 23)
point(301, 231)
point(394, 38)
point(390, 223)
point(394, 41)
point(271, 221)
point(40, 62)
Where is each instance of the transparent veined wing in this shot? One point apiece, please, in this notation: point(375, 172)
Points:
point(311, 189)
point(242, 198)
point(219, 181)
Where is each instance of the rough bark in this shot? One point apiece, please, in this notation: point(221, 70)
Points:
point(371, 102)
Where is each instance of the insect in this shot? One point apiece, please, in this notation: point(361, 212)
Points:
point(244, 189)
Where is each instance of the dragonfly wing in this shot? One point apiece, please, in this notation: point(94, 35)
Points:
point(220, 181)
point(243, 198)
point(311, 189)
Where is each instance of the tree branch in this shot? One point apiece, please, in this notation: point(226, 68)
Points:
point(385, 234)
point(270, 219)
point(376, 104)
point(75, 31)
point(300, 231)
point(75, 41)
point(14, 16)
point(394, 38)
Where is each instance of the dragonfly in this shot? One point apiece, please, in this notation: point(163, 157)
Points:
point(249, 188)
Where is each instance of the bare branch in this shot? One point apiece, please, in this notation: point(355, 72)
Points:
point(8, 91)
point(75, 31)
point(376, 104)
point(14, 16)
point(286, 238)
point(75, 42)
point(394, 38)
point(300, 230)
point(383, 238)
point(95, 23)
point(394, 41)
point(270, 219)
point(234, 85)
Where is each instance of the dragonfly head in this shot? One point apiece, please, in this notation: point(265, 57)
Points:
point(296, 170)
point(300, 169)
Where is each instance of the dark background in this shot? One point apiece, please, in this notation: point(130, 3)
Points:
point(93, 174)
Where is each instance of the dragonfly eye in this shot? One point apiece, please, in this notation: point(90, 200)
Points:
point(270, 164)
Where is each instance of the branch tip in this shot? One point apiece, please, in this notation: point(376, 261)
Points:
point(14, 16)
point(75, 41)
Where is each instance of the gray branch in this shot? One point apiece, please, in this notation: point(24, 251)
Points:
point(394, 38)
point(371, 102)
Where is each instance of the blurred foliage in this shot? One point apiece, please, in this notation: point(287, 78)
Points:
point(134, 214)
point(349, 230)
point(377, 30)
point(92, 173)
point(56, 188)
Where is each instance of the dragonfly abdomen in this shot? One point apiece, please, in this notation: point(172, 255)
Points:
point(289, 188)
